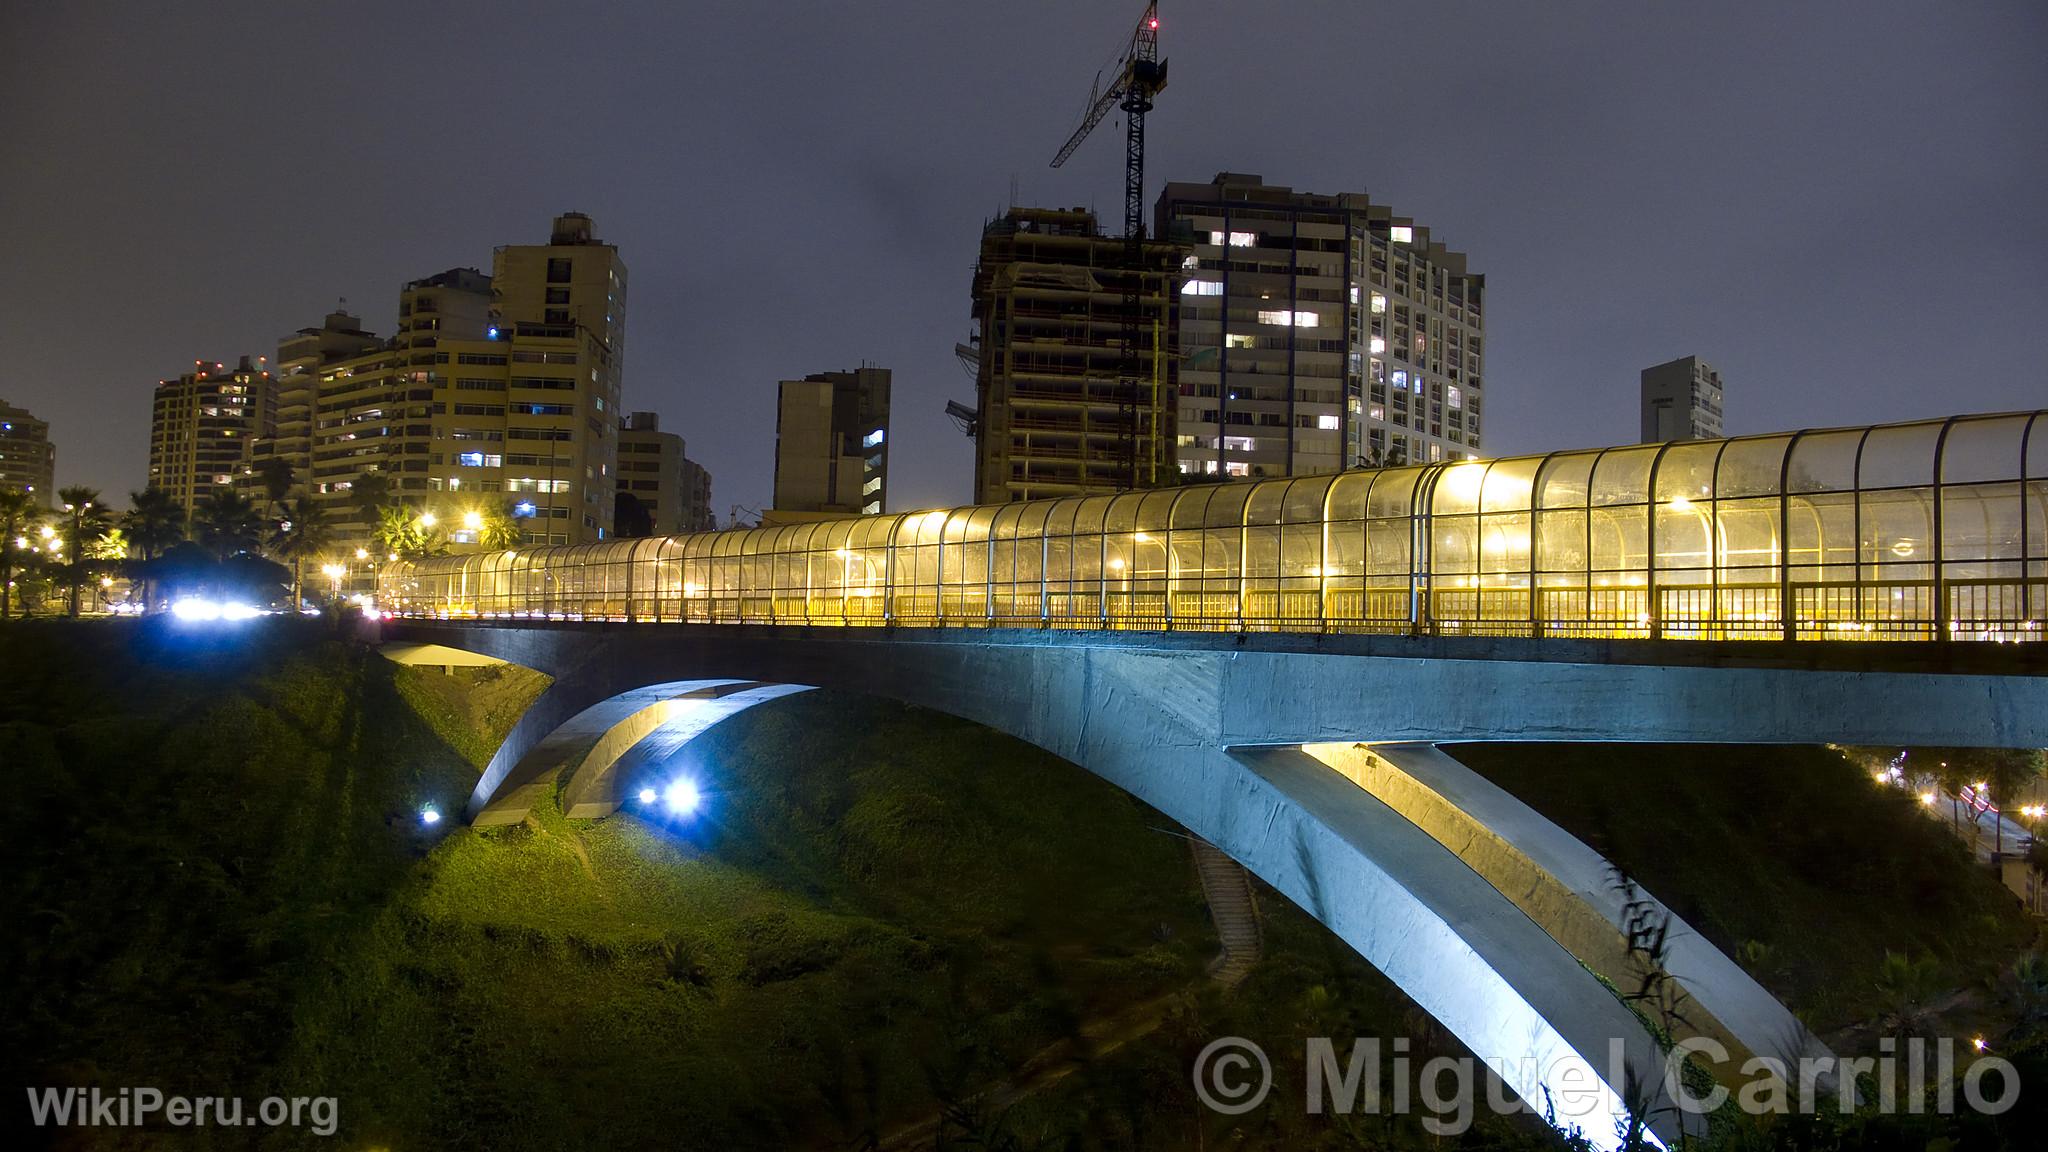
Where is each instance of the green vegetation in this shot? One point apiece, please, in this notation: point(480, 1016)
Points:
point(884, 922)
point(1789, 860)
point(227, 886)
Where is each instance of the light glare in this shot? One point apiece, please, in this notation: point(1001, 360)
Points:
point(681, 797)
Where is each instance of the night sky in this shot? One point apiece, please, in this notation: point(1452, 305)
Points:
point(1840, 205)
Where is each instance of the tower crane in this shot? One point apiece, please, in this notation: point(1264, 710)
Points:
point(1140, 75)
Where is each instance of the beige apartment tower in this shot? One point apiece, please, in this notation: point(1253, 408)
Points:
point(1049, 307)
point(202, 423)
point(496, 392)
point(1319, 333)
point(28, 461)
point(1681, 401)
point(675, 490)
point(831, 443)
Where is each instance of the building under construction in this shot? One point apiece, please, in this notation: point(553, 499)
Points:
point(1049, 305)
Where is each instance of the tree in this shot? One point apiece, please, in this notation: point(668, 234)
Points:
point(2004, 772)
point(304, 531)
point(501, 530)
point(226, 523)
point(630, 517)
point(20, 517)
point(154, 523)
point(405, 533)
point(368, 493)
point(85, 523)
point(275, 474)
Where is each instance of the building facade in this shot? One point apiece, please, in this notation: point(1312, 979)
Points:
point(300, 359)
point(831, 443)
point(202, 423)
point(1319, 333)
point(653, 467)
point(28, 461)
point(496, 392)
point(1681, 401)
point(1049, 310)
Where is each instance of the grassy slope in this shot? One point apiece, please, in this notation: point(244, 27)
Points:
point(195, 823)
point(880, 908)
point(221, 885)
point(1791, 848)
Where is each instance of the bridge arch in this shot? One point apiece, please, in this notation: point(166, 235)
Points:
point(1504, 980)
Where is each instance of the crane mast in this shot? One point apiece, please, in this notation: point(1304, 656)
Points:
point(1139, 78)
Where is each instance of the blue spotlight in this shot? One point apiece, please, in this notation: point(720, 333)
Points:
point(430, 815)
point(648, 796)
point(681, 798)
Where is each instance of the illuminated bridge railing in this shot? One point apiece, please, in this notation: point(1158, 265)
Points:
point(1934, 530)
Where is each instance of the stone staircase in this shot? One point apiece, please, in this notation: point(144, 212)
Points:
point(1234, 908)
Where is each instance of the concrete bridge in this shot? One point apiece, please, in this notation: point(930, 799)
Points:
point(1272, 664)
point(1311, 760)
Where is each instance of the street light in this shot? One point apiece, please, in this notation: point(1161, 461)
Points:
point(472, 520)
point(334, 573)
point(362, 553)
point(427, 520)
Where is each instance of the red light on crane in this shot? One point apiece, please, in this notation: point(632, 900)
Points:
point(1153, 23)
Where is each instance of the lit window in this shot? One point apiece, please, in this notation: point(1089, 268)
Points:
point(1379, 304)
point(1202, 288)
point(1237, 443)
point(1287, 318)
point(1378, 413)
point(872, 438)
point(1354, 293)
point(1401, 380)
point(1454, 397)
point(1191, 262)
point(871, 487)
point(1243, 239)
point(1238, 468)
point(1329, 421)
point(1234, 340)
point(1216, 238)
point(1402, 234)
point(1379, 345)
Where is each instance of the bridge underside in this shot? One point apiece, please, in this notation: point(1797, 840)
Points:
point(1309, 761)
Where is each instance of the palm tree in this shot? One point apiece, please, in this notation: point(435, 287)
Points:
point(85, 522)
point(154, 522)
point(406, 533)
point(368, 493)
point(275, 474)
point(304, 531)
point(501, 530)
point(227, 523)
point(20, 515)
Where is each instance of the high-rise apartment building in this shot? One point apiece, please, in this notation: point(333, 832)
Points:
point(28, 461)
point(300, 360)
point(675, 490)
point(1049, 310)
point(201, 424)
point(1319, 333)
point(496, 390)
point(831, 443)
point(1681, 401)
